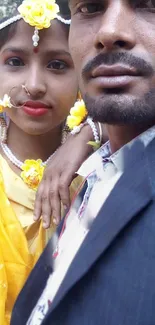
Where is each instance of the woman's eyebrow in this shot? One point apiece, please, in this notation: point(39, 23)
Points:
point(24, 51)
point(56, 52)
point(16, 50)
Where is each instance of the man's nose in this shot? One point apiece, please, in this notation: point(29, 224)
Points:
point(116, 30)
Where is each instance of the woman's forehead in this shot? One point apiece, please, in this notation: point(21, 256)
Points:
point(54, 37)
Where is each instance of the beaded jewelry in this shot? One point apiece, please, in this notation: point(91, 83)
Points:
point(32, 170)
point(39, 14)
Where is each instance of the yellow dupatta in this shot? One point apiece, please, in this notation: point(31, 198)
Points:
point(21, 239)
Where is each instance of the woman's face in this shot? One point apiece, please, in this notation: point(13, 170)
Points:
point(48, 74)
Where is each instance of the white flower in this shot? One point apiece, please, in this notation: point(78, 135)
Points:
point(5, 102)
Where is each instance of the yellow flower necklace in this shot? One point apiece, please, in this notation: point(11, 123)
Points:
point(32, 170)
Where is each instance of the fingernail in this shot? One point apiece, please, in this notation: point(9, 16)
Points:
point(44, 224)
point(55, 221)
point(65, 207)
point(35, 218)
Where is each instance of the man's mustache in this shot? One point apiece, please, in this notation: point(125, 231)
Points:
point(142, 67)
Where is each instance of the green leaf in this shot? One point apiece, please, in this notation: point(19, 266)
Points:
point(94, 144)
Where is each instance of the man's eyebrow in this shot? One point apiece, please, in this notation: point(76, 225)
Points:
point(70, 2)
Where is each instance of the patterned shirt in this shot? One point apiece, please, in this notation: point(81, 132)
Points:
point(91, 170)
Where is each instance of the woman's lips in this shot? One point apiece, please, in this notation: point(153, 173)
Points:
point(35, 108)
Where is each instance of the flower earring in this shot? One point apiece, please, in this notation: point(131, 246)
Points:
point(5, 102)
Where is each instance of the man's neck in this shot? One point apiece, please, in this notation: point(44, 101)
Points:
point(121, 135)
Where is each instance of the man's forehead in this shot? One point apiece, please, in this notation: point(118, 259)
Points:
point(151, 2)
point(71, 2)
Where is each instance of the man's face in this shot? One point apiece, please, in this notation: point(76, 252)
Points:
point(112, 43)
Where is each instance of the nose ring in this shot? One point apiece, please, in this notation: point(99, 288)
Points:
point(26, 90)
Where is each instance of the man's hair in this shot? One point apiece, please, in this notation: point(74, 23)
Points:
point(64, 9)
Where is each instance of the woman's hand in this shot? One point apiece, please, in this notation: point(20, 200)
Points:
point(58, 175)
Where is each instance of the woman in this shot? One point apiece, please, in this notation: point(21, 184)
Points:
point(38, 88)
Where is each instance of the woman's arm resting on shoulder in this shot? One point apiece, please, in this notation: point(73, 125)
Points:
point(58, 176)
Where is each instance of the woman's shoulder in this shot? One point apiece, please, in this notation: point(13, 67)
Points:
point(4, 166)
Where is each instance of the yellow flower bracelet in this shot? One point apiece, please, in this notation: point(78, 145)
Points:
point(78, 114)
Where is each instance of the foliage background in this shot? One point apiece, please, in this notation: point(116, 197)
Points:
point(7, 7)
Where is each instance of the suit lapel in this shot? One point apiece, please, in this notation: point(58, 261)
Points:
point(130, 195)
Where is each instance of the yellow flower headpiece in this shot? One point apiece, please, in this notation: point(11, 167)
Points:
point(77, 114)
point(38, 13)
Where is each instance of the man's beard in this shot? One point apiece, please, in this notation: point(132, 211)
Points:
point(118, 108)
point(122, 109)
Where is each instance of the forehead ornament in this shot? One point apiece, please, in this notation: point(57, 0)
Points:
point(38, 14)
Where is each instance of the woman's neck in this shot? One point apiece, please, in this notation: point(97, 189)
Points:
point(25, 146)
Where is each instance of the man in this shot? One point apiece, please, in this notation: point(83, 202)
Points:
point(103, 269)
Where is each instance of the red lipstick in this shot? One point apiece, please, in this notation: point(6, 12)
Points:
point(35, 108)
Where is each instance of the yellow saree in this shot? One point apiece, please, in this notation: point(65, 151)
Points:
point(21, 240)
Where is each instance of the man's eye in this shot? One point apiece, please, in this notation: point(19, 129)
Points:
point(90, 8)
point(14, 62)
point(57, 65)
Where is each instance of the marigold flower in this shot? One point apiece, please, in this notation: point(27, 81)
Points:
point(32, 173)
point(38, 13)
point(73, 121)
point(77, 114)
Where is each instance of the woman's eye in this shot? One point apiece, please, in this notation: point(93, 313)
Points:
point(57, 65)
point(14, 62)
point(91, 8)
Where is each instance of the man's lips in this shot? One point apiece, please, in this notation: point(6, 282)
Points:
point(113, 71)
point(35, 108)
point(117, 76)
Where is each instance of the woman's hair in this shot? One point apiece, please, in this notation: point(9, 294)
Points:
point(7, 32)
